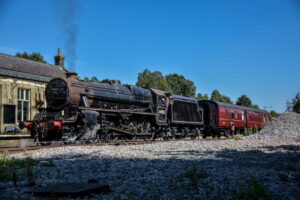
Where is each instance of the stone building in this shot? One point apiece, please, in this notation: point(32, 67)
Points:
point(22, 89)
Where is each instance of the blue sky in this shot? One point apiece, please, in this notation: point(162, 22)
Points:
point(247, 47)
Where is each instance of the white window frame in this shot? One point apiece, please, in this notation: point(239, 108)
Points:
point(22, 97)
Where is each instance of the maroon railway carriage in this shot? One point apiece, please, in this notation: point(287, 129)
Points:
point(219, 117)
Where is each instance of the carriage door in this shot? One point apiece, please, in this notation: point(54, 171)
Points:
point(246, 119)
point(161, 108)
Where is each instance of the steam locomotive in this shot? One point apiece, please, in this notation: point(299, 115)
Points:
point(80, 110)
point(90, 111)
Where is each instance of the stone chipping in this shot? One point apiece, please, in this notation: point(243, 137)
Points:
point(192, 169)
point(285, 126)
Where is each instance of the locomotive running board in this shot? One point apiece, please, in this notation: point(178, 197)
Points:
point(127, 132)
point(117, 111)
point(120, 130)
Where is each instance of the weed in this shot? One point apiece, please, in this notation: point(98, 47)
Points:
point(248, 132)
point(289, 165)
point(283, 176)
point(237, 137)
point(194, 175)
point(11, 167)
point(131, 196)
point(255, 190)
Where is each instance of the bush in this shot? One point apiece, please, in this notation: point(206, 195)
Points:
point(255, 190)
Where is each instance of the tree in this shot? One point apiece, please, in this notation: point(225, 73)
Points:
point(274, 114)
point(156, 80)
point(86, 79)
point(244, 101)
point(294, 104)
point(33, 56)
point(217, 96)
point(202, 97)
point(226, 99)
point(94, 79)
point(180, 85)
point(296, 107)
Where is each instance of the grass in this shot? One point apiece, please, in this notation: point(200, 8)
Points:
point(12, 169)
point(254, 191)
point(283, 176)
point(194, 175)
point(237, 137)
point(250, 132)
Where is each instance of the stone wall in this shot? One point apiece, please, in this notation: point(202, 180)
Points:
point(9, 96)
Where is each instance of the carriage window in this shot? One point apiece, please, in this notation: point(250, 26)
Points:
point(243, 116)
point(232, 115)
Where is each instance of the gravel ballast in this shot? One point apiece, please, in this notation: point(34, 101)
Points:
point(200, 169)
point(285, 126)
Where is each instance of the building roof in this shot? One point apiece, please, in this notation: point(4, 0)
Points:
point(28, 69)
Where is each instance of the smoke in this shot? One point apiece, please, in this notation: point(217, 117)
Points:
point(67, 12)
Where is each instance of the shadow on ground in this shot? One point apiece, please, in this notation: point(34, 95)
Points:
point(184, 174)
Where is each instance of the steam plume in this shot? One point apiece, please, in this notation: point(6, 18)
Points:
point(67, 13)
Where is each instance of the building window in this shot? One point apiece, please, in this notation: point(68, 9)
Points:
point(23, 104)
point(9, 114)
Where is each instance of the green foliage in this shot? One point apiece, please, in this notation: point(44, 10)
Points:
point(173, 83)
point(250, 131)
point(33, 56)
point(180, 85)
point(194, 174)
point(244, 100)
point(255, 190)
point(274, 114)
point(202, 97)
point(93, 79)
point(156, 80)
point(283, 176)
point(294, 104)
point(226, 99)
point(9, 166)
point(217, 96)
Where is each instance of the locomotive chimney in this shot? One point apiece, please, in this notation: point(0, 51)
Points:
point(59, 59)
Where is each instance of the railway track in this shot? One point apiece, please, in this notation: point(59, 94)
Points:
point(11, 150)
point(43, 145)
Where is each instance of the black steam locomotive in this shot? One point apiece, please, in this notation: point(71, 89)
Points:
point(80, 110)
